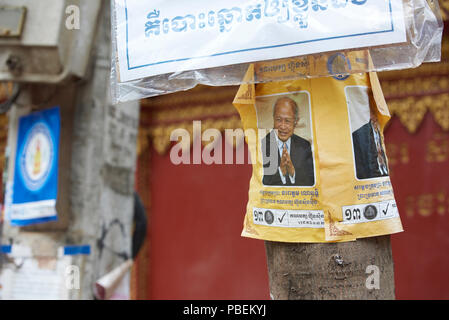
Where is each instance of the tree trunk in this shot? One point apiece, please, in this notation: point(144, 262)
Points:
point(361, 270)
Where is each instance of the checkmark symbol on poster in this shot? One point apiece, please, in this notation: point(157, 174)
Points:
point(282, 218)
point(386, 209)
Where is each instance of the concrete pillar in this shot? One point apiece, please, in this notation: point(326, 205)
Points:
point(97, 164)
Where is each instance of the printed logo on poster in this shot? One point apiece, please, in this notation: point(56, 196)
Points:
point(338, 64)
point(32, 197)
point(37, 157)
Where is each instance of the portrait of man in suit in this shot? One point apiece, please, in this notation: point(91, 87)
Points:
point(288, 153)
point(369, 154)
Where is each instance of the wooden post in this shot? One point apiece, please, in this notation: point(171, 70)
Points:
point(358, 270)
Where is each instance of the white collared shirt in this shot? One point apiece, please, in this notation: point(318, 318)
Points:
point(281, 149)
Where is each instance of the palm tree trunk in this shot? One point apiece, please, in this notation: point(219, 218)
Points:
point(361, 270)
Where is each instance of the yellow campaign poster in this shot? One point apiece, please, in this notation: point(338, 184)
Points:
point(320, 170)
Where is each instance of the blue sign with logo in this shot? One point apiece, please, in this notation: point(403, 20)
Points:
point(36, 169)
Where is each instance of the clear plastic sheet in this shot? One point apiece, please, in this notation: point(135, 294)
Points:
point(424, 28)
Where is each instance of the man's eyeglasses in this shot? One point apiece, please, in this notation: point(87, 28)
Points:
point(287, 121)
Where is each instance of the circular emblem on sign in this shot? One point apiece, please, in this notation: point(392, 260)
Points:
point(269, 217)
point(370, 212)
point(338, 65)
point(36, 159)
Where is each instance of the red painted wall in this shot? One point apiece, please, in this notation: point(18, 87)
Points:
point(421, 185)
point(196, 251)
point(197, 211)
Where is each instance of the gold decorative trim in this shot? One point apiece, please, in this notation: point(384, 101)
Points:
point(411, 93)
point(420, 85)
point(440, 110)
point(409, 112)
point(159, 135)
point(194, 113)
point(199, 95)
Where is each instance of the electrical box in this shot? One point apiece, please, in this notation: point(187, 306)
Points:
point(46, 41)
